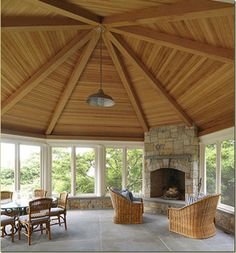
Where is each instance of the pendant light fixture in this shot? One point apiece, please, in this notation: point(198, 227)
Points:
point(100, 98)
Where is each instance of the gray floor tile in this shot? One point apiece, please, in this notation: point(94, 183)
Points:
point(93, 230)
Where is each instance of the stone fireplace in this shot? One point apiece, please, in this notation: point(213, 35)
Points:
point(171, 161)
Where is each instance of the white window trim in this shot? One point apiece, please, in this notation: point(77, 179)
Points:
point(215, 138)
point(46, 146)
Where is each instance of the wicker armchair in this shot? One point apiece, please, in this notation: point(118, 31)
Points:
point(126, 211)
point(196, 220)
point(39, 214)
point(40, 193)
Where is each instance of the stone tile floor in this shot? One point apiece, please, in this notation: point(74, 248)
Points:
point(93, 230)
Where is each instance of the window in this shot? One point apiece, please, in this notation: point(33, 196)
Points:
point(210, 153)
point(29, 168)
point(7, 166)
point(61, 169)
point(218, 150)
point(85, 170)
point(114, 167)
point(227, 172)
point(134, 170)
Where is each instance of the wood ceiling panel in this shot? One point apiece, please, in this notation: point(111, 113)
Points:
point(25, 52)
point(107, 8)
point(217, 31)
point(39, 104)
point(24, 8)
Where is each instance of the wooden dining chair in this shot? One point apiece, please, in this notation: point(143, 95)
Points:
point(6, 195)
point(39, 214)
point(40, 193)
point(59, 212)
point(5, 221)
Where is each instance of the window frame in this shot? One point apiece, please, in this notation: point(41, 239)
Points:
point(46, 159)
point(215, 138)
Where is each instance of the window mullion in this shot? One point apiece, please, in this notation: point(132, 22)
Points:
point(203, 166)
point(218, 167)
point(124, 168)
point(73, 171)
point(17, 166)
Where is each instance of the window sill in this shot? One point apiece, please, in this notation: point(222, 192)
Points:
point(226, 209)
point(87, 197)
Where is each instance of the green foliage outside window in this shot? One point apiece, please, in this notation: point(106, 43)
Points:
point(85, 171)
point(134, 170)
point(61, 170)
point(227, 172)
point(211, 168)
point(114, 167)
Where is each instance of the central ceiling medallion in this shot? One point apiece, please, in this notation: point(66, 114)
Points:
point(100, 98)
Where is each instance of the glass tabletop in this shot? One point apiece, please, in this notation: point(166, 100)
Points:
point(18, 203)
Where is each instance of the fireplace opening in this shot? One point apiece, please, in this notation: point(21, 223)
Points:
point(168, 183)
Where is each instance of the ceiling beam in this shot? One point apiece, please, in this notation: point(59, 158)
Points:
point(216, 53)
point(45, 70)
point(182, 10)
point(127, 84)
point(143, 70)
point(75, 76)
point(30, 23)
point(69, 10)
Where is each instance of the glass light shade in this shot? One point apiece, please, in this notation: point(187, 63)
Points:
point(100, 99)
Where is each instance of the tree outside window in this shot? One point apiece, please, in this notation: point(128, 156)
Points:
point(85, 170)
point(7, 166)
point(61, 169)
point(29, 169)
point(114, 167)
point(227, 172)
point(210, 152)
point(134, 170)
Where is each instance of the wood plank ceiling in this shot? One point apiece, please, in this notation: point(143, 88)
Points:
point(164, 62)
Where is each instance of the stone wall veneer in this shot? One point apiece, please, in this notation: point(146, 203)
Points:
point(174, 147)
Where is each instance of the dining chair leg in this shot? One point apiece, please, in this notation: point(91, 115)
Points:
point(48, 230)
point(41, 228)
point(65, 221)
point(3, 229)
point(12, 232)
point(59, 220)
point(19, 229)
point(29, 235)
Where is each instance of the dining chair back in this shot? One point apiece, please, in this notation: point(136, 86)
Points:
point(39, 214)
point(60, 211)
point(40, 193)
point(6, 195)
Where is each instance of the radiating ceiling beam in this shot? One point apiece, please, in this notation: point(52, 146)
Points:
point(127, 84)
point(216, 53)
point(69, 10)
point(75, 76)
point(46, 69)
point(181, 10)
point(143, 70)
point(30, 23)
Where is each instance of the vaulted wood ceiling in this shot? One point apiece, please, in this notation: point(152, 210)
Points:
point(164, 62)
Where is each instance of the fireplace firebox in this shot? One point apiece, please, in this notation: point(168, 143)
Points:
point(168, 183)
